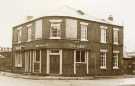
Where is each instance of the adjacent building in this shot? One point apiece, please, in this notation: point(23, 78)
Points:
point(129, 63)
point(5, 59)
point(68, 44)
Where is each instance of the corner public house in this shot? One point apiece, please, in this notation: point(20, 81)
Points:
point(68, 45)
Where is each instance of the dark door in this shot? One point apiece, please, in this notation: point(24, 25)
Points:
point(54, 64)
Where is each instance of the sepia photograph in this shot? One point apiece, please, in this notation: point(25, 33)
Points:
point(67, 43)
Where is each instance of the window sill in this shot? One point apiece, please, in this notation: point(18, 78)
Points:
point(55, 38)
point(83, 40)
point(38, 38)
point(29, 40)
point(18, 66)
point(103, 68)
point(115, 67)
point(115, 43)
point(103, 42)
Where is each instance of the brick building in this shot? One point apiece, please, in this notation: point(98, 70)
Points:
point(68, 44)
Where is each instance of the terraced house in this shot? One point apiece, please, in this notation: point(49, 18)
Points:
point(68, 43)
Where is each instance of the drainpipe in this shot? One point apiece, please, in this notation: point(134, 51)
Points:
point(112, 47)
point(95, 66)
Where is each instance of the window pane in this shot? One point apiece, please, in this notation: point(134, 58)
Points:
point(29, 32)
point(19, 34)
point(115, 36)
point(103, 34)
point(102, 55)
point(77, 56)
point(103, 59)
point(55, 30)
point(18, 59)
point(82, 56)
point(83, 32)
point(115, 59)
point(37, 55)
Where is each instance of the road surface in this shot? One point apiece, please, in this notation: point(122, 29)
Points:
point(9, 81)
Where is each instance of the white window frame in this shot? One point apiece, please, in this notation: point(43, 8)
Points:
point(29, 29)
point(103, 36)
point(18, 59)
point(104, 66)
point(58, 26)
point(116, 36)
point(84, 32)
point(19, 36)
point(116, 61)
point(86, 61)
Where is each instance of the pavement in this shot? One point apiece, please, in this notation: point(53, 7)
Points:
point(10, 81)
point(37, 77)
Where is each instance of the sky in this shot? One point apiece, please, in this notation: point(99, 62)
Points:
point(14, 12)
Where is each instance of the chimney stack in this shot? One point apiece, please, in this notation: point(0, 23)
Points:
point(110, 18)
point(28, 18)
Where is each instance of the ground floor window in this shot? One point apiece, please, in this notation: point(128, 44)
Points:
point(33, 61)
point(18, 59)
point(115, 59)
point(103, 59)
point(81, 56)
point(37, 55)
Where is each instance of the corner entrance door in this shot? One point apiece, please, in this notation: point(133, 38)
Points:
point(54, 64)
point(54, 61)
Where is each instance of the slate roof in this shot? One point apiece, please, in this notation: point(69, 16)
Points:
point(69, 11)
point(77, 13)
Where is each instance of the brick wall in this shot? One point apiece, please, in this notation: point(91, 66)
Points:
point(93, 45)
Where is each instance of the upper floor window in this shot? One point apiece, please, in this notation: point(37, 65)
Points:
point(55, 30)
point(19, 34)
point(115, 35)
point(29, 28)
point(83, 31)
point(71, 29)
point(103, 34)
point(38, 29)
point(115, 59)
point(103, 59)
